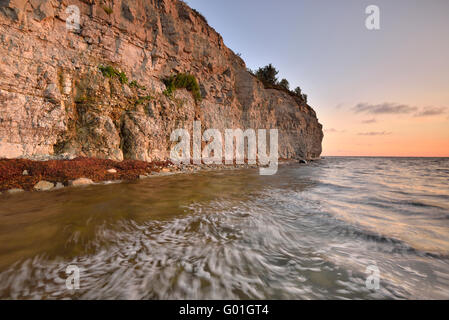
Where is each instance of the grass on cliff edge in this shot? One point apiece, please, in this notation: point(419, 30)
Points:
point(183, 81)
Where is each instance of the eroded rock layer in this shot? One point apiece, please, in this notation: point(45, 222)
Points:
point(55, 101)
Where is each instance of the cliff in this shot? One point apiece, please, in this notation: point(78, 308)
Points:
point(56, 103)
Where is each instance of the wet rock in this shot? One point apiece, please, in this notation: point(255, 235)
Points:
point(59, 185)
point(13, 191)
point(81, 182)
point(43, 186)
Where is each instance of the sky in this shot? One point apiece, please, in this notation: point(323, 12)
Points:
point(377, 92)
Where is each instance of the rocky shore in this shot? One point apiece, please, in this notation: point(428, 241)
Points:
point(94, 105)
point(22, 174)
point(19, 175)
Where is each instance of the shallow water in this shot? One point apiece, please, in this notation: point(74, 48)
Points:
point(309, 232)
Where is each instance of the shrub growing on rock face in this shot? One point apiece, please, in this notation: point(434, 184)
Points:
point(135, 84)
point(122, 77)
point(183, 81)
point(108, 10)
point(298, 91)
point(110, 72)
point(144, 99)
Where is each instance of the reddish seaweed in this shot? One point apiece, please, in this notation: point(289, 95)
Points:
point(11, 171)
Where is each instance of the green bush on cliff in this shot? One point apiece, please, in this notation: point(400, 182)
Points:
point(144, 99)
point(135, 84)
point(110, 72)
point(108, 10)
point(123, 78)
point(183, 81)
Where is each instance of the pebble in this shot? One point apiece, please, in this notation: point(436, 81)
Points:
point(112, 171)
point(25, 173)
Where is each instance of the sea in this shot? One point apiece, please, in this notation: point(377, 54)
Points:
point(336, 228)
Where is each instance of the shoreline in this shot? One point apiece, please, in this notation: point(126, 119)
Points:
point(20, 175)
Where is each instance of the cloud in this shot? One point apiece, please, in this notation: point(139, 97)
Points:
point(369, 121)
point(396, 108)
point(374, 133)
point(431, 111)
point(333, 130)
point(384, 108)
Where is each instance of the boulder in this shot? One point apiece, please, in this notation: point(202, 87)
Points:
point(43, 186)
point(59, 185)
point(81, 182)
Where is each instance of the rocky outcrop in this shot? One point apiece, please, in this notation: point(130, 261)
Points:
point(55, 101)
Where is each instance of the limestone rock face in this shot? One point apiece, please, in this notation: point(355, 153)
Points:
point(56, 103)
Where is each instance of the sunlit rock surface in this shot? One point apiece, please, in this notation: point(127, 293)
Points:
point(55, 102)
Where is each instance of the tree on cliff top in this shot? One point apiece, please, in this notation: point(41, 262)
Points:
point(284, 84)
point(298, 91)
point(268, 75)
